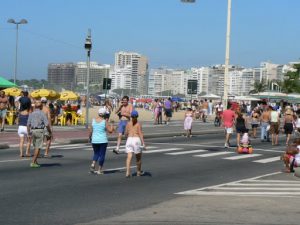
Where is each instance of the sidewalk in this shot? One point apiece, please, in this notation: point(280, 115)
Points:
point(79, 134)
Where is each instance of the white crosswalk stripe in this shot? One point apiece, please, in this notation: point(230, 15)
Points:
point(162, 150)
point(268, 160)
point(251, 187)
point(213, 154)
point(186, 152)
point(242, 156)
point(174, 152)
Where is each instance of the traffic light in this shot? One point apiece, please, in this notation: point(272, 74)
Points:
point(106, 83)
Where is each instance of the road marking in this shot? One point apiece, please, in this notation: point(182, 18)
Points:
point(261, 194)
point(162, 150)
point(213, 154)
point(262, 185)
point(260, 188)
point(120, 168)
point(14, 160)
point(251, 187)
point(69, 145)
point(272, 159)
point(215, 146)
point(244, 156)
point(186, 152)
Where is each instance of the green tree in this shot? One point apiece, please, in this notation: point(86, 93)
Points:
point(259, 87)
point(291, 83)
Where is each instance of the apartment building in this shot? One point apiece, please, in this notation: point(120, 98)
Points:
point(61, 75)
point(139, 69)
point(97, 73)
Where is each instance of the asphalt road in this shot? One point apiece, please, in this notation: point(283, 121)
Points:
point(63, 191)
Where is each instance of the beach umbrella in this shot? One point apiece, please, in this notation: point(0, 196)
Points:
point(39, 93)
point(13, 91)
point(68, 95)
point(6, 83)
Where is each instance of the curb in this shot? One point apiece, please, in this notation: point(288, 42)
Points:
point(4, 146)
point(146, 136)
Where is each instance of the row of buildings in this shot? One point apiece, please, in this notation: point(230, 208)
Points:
point(131, 71)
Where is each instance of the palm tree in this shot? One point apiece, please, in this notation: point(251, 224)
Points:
point(259, 87)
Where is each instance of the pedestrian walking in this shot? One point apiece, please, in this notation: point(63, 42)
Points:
point(288, 124)
point(124, 112)
point(134, 144)
point(265, 124)
point(98, 138)
point(25, 109)
point(47, 136)
point(228, 117)
point(168, 110)
point(240, 127)
point(3, 109)
point(37, 121)
point(274, 126)
point(188, 121)
point(255, 120)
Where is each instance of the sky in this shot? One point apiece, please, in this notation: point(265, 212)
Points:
point(170, 33)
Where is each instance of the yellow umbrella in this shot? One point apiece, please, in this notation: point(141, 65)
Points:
point(43, 93)
point(68, 95)
point(13, 91)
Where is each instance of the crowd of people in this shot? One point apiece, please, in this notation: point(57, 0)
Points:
point(36, 118)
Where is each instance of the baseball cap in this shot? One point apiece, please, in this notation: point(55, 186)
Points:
point(134, 113)
point(102, 111)
point(43, 99)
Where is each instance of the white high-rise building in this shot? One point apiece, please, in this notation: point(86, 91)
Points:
point(139, 69)
point(241, 82)
point(121, 77)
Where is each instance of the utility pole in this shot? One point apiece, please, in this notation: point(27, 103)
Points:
point(88, 48)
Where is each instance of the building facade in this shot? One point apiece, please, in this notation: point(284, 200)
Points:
point(139, 70)
point(97, 73)
point(61, 75)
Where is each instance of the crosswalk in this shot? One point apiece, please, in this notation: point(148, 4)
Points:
point(181, 151)
point(257, 186)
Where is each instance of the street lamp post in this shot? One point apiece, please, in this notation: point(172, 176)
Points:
point(227, 54)
point(22, 21)
point(88, 47)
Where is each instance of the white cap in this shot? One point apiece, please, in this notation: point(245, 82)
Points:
point(43, 99)
point(102, 111)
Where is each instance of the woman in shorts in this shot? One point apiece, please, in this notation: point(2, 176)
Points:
point(134, 144)
point(288, 125)
point(240, 127)
point(22, 132)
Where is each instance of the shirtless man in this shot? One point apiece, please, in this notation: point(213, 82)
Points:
point(3, 108)
point(48, 136)
point(124, 112)
point(204, 110)
point(264, 123)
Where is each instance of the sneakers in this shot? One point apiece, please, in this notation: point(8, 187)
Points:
point(92, 168)
point(35, 165)
point(226, 145)
point(99, 172)
point(116, 151)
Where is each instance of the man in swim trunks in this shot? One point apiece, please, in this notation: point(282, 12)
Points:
point(124, 112)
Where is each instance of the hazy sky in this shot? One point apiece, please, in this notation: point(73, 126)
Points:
point(168, 32)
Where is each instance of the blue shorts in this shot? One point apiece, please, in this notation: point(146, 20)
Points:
point(3, 113)
point(122, 126)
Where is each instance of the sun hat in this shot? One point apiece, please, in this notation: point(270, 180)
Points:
point(102, 111)
point(43, 99)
